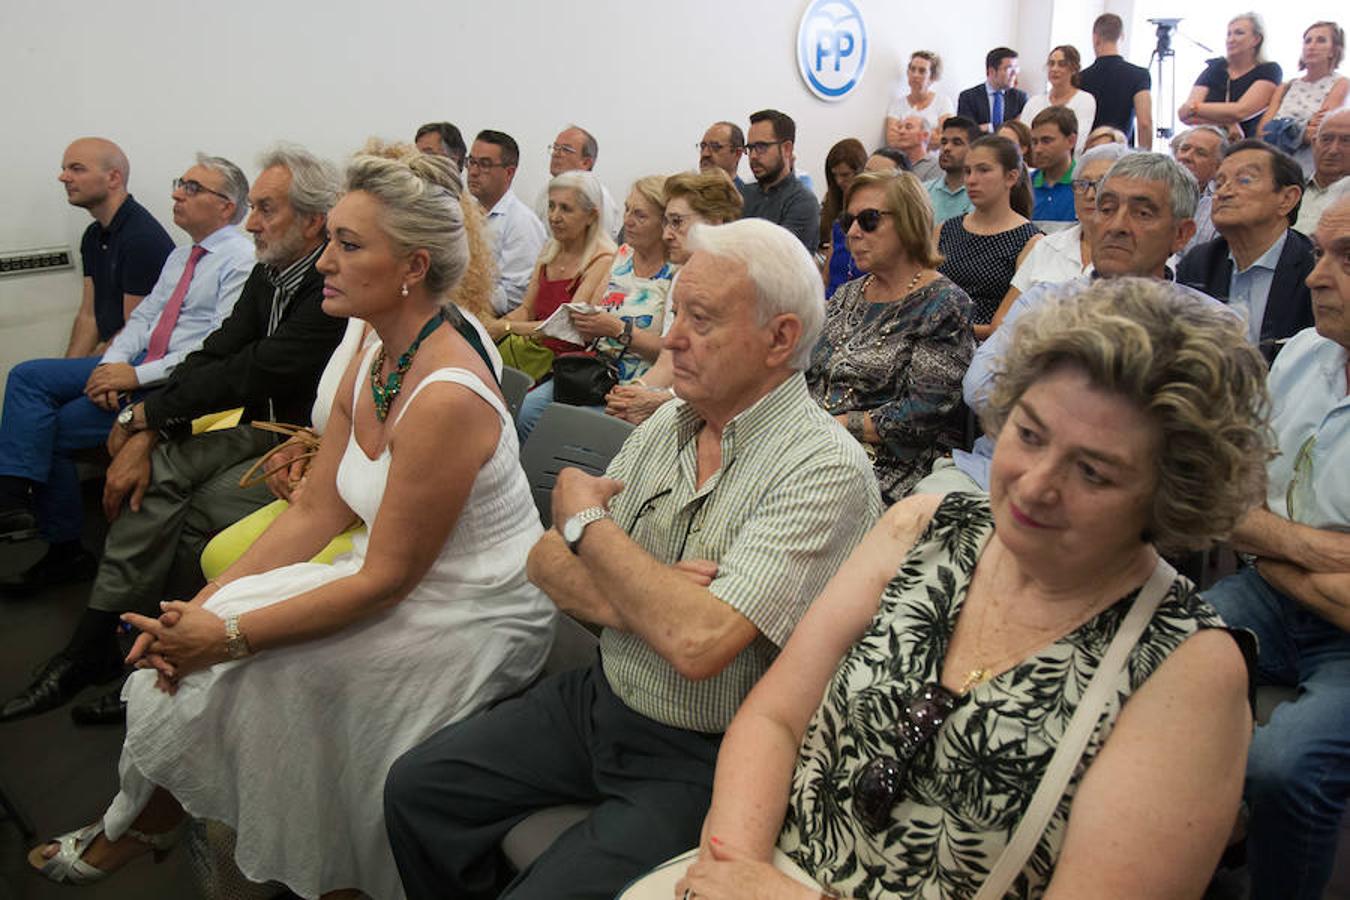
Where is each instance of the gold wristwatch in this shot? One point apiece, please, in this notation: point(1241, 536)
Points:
point(236, 645)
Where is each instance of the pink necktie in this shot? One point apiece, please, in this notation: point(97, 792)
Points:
point(168, 318)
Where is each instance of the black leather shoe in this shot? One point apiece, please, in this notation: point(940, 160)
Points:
point(107, 709)
point(52, 569)
point(17, 524)
point(57, 682)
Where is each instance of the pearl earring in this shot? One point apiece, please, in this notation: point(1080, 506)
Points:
point(404, 290)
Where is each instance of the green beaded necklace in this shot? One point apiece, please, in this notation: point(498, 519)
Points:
point(385, 394)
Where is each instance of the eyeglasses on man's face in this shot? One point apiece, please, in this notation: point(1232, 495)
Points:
point(759, 148)
point(192, 187)
point(482, 162)
point(562, 149)
point(716, 146)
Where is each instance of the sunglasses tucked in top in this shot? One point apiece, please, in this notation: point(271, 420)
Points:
point(877, 786)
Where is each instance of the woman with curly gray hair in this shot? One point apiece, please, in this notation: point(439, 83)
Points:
point(1014, 688)
point(320, 675)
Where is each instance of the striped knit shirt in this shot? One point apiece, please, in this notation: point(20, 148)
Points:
point(285, 282)
point(794, 495)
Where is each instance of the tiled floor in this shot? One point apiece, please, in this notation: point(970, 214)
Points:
point(63, 776)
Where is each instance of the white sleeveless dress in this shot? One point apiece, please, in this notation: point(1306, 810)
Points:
point(290, 748)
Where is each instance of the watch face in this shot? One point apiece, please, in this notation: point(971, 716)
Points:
point(572, 529)
point(125, 416)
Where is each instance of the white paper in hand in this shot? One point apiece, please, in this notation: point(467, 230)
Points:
point(559, 325)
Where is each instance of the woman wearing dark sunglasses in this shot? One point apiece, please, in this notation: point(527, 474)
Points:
point(897, 341)
point(983, 248)
point(893, 748)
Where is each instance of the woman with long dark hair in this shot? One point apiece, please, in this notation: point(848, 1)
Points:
point(983, 248)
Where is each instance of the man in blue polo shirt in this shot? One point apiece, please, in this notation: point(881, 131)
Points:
point(1053, 134)
point(122, 250)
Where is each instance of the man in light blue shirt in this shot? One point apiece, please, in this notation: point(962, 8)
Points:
point(1144, 207)
point(70, 404)
point(948, 193)
point(517, 233)
point(1296, 595)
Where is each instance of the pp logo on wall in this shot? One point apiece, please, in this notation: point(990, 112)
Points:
point(831, 48)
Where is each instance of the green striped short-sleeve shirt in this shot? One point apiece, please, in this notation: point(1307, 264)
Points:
point(793, 497)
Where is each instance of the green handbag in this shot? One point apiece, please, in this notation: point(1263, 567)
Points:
point(526, 354)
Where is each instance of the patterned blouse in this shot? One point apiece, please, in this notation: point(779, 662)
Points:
point(902, 362)
point(982, 264)
point(968, 788)
point(640, 300)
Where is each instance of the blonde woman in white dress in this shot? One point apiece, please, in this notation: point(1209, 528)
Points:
point(277, 698)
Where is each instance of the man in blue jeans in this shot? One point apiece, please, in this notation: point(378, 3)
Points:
point(56, 406)
point(1296, 597)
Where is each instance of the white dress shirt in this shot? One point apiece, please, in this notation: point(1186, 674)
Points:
point(216, 284)
point(517, 238)
point(1055, 258)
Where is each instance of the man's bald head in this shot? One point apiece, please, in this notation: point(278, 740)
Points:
point(109, 155)
point(95, 172)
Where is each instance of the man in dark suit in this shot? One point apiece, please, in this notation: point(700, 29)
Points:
point(169, 490)
point(998, 99)
point(1258, 264)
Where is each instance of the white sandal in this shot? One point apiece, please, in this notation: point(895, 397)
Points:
point(67, 866)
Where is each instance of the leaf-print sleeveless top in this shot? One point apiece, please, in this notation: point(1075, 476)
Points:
point(967, 789)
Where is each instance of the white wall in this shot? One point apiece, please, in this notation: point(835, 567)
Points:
point(167, 79)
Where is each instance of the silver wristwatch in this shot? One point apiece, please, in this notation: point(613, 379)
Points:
point(575, 527)
point(126, 419)
point(236, 645)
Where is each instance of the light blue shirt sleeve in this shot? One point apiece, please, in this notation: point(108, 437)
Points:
point(979, 378)
point(217, 283)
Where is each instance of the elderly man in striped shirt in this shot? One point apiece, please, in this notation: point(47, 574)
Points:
point(718, 523)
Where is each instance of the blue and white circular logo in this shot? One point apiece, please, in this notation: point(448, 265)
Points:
point(831, 48)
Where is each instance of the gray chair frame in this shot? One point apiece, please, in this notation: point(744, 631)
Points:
point(568, 436)
point(515, 385)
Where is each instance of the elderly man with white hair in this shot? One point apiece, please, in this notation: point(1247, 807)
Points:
point(1331, 173)
point(697, 553)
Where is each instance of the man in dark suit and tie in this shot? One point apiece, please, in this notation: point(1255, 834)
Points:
point(1258, 264)
point(998, 99)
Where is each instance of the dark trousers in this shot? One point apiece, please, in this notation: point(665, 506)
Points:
point(449, 802)
point(194, 492)
point(47, 418)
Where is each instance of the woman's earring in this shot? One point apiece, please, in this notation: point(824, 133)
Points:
point(404, 290)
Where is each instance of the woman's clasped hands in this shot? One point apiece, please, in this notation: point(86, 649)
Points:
point(185, 638)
